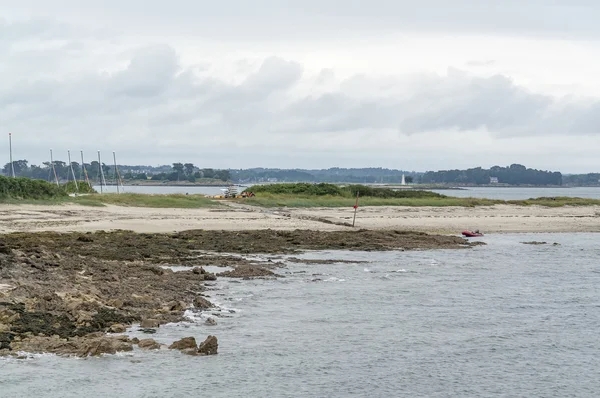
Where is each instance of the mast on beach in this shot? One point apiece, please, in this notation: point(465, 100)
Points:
point(84, 170)
point(101, 174)
point(53, 168)
point(73, 172)
point(12, 165)
point(118, 180)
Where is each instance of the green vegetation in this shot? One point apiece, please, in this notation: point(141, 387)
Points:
point(558, 201)
point(144, 200)
point(82, 187)
point(328, 195)
point(348, 191)
point(27, 189)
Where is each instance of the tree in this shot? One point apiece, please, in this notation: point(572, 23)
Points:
point(178, 167)
point(189, 169)
point(208, 173)
point(223, 175)
point(19, 166)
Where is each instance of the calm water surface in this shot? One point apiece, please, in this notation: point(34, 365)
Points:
point(505, 319)
point(154, 189)
point(518, 193)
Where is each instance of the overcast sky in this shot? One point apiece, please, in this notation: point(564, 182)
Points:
point(425, 85)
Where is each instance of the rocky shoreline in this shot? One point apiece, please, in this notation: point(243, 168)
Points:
point(68, 293)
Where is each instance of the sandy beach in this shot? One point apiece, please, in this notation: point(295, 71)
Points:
point(448, 220)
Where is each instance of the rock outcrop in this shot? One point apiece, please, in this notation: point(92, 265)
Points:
point(117, 328)
point(184, 344)
point(209, 346)
point(188, 346)
point(148, 344)
point(149, 324)
point(202, 303)
point(247, 272)
point(92, 345)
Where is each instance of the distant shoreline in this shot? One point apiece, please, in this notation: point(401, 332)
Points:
point(391, 186)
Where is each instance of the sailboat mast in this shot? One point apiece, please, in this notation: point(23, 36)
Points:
point(116, 174)
point(101, 174)
point(54, 168)
point(84, 170)
point(73, 172)
point(12, 165)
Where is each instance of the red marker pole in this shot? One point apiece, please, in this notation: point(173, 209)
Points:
point(355, 209)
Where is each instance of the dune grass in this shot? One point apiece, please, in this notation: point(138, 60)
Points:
point(558, 201)
point(144, 200)
point(281, 200)
point(306, 201)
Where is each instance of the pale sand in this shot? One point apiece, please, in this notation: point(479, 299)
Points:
point(451, 220)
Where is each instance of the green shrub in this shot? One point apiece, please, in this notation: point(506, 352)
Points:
point(82, 187)
point(323, 189)
point(26, 188)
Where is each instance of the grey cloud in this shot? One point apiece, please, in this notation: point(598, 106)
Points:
point(274, 74)
point(153, 104)
point(148, 74)
point(274, 19)
point(14, 31)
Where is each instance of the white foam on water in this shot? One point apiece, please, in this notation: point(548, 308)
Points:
point(334, 279)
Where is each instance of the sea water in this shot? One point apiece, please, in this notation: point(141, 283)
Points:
point(505, 319)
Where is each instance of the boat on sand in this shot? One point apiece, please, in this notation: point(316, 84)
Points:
point(472, 234)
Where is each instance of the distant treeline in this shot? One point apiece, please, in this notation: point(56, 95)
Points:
point(176, 172)
point(515, 174)
point(356, 175)
point(590, 179)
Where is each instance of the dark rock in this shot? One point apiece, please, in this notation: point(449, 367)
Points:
point(148, 344)
point(211, 322)
point(104, 345)
point(5, 339)
point(5, 249)
point(183, 344)
point(149, 324)
point(210, 277)
point(209, 346)
point(202, 303)
point(117, 328)
point(147, 330)
point(135, 340)
point(176, 306)
point(91, 345)
point(248, 271)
